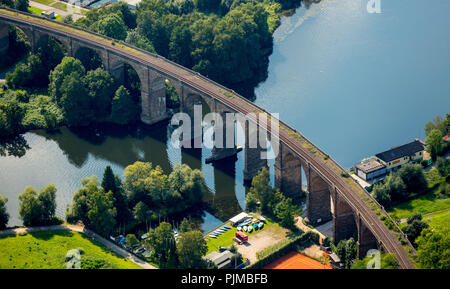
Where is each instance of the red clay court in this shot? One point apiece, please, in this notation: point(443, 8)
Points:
point(294, 260)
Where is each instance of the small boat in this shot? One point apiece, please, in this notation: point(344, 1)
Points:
point(223, 228)
point(217, 233)
point(212, 236)
point(228, 227)
point(245, 228)
point(239, 228)
point(220, 230)
point(249, 229)
point(255, 226)
point(261, 225)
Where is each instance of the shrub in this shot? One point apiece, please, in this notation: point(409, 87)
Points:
point(345, 174)
point(90, 263)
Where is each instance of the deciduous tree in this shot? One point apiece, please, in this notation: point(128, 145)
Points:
point(191, 247)
point(4, 216)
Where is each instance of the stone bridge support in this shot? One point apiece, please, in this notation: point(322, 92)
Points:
point(288, 172)
point(344, 225)
point(366, 240)
point(189, 99)
point(224, 144)
point(253, 149)
point(318, 199)
point(153, 97)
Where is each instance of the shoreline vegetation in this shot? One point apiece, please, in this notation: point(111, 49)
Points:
point(229, 41)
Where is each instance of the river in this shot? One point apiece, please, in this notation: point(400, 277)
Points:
point(352, 82)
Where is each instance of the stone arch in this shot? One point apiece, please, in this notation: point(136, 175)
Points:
point(11, 48)
point(192, 99)
point(173, 95)
point(40, 37)
point(89, 57)
point(127, 74)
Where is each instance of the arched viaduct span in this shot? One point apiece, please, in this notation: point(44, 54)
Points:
point(330, 195)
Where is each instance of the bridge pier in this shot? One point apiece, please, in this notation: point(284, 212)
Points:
point(288, 173)
point(253, 159)
point(366, 240)
point(344, 225)
point(153, 98)
point(4, 39)
point(224, 144)
point(318, 198)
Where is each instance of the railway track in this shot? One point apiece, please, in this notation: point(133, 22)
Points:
point(241, 105)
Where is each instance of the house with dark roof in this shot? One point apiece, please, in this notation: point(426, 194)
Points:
point(396, 157)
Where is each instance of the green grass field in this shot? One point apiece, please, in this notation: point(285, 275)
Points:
point(61, 6)
point(47, 250)
point(429, 205)
point(35, 10)
point(438, 219)
point(424, 204)
point(45, 2)
point(38, 11)
point(226, 239)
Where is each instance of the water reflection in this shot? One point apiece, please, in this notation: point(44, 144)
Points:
point(15, 146)
point(117, 144)
point(65, 156)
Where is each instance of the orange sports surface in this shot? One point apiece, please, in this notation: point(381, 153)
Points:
point(294, 260)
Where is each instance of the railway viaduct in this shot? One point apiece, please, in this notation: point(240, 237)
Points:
point(330, 196)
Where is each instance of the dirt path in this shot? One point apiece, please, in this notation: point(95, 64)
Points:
point(323, 230)
point(87, 232)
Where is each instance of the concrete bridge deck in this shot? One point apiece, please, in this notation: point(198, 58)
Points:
point(361, 203)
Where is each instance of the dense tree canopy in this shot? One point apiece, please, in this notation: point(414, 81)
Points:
point(37, 209)
point(67, 66)
point(263, 197)
point(434, 143)
point(433, 251)
point(93, 206)
point(392, 189)
point(4, 216)
point(346, 250)
point(413, 177)
point(191, 247)
point(102, 212)
point(161, 242)
point(228, 41)
point(111, 25)
point(164, 194)
point(414, 227)
point(123, 108)
point(101, 87)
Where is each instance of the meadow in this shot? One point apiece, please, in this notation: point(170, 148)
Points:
point(48, 249)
